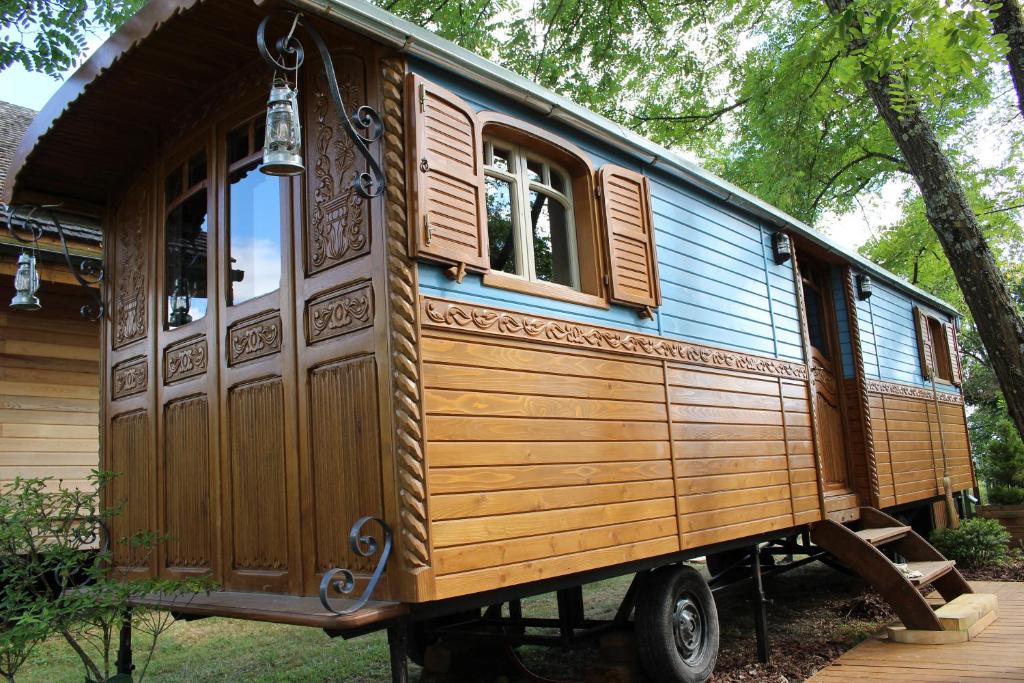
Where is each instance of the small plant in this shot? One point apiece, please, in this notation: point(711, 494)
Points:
point(1006, 495)
point(1003, 464)
point(59, 577)
point(977, 543)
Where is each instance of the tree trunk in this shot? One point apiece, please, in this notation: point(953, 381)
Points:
point(1009, 20)
point(1000, 326)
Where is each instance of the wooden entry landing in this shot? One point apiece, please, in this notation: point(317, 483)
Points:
point(995, 656)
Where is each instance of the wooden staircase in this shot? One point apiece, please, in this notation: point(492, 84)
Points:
point(862, 551)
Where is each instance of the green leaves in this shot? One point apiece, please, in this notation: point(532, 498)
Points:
point(50, 37)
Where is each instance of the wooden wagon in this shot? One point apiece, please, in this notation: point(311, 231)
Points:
point(532, 347)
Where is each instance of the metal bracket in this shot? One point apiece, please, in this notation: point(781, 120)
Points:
point(363, 545)
point(88, 272)
point(367, 184)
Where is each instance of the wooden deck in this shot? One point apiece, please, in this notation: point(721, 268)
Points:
point(996, 655)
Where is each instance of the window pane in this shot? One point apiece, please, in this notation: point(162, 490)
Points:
point(816, 320)
point(500, 229)
point(551, 256)
point(238, 144)
point(501, 159)
point(197, 169)
point(557, 181)
point(185, 248)
point(172, 186)
point(254, 227)
point(535, 171)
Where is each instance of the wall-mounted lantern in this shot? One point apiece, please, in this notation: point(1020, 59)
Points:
point(282, 148)
point(26, 284)
point(180, 304)
point(863, 286)
point(782, 248)
point(88, 272)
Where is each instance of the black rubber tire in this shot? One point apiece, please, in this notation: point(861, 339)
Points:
point(662, 594)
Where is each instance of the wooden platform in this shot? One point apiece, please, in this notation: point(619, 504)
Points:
point(280, 609)
point(996, 655)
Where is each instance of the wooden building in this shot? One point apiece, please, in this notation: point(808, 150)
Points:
point(49, 359)
point(548, 351)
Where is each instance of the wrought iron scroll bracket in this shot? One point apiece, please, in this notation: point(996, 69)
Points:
point(88, 272)
point(369, 183)
point(343, 581)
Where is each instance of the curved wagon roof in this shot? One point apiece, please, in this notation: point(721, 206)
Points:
point(104, 114)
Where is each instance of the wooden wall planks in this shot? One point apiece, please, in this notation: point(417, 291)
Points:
point(547, 459)
point(49, 390)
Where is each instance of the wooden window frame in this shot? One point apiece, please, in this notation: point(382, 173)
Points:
point(941, 361)
point(178, 162)
point(539, 144)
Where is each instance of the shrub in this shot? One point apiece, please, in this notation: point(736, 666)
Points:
point(977, 543)
point(1003, 463)
point(1006, 495)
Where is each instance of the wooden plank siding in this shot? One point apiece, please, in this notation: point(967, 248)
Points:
point(49, 390)
point(546, 459)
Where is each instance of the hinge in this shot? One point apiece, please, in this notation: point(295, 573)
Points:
point(423, 97)
point(428, 232)
point(597, 191)
point(607, 280)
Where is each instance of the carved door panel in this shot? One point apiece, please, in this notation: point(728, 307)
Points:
point(338, 279)
point(826, 366)
point(184, 285)
point(259, 467)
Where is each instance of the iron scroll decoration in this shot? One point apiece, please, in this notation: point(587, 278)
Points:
point(88, 272)
point(370, 183)
point(343, 581)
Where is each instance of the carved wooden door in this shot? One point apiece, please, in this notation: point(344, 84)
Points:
point(826, 366)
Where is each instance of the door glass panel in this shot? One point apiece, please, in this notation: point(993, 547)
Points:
point(500, 230)
point(254, 225)
point(185, 250)
point(551, 248)
point(816, 319)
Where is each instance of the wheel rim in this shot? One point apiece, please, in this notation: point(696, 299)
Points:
point(690, 628)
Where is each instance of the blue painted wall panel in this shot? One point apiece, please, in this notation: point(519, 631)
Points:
point(842, 321)
point(718, 281)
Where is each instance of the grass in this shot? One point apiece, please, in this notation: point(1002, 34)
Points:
point(812, 618)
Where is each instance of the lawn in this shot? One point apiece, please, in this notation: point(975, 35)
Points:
point(816, 614)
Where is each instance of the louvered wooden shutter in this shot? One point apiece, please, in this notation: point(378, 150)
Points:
point(633, 263)
point(924, 343)
point(954, 354)
point(449, 215)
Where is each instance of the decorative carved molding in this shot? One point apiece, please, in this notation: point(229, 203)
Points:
point(130, 313)
point(824, 378)
point(338, 226)
point(441, 313)
point(341, 312)
point(185, 359)
point(403, 329)
point(239, 85)
point(129, 377)
point(910, 391)
point(867, 429)
point(801, 307)
point(949, 397)
point(254, 338)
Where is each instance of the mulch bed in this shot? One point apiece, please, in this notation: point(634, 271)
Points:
point(1011, 571)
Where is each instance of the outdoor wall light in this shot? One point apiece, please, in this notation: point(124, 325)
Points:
point(88, 272)
point(181, 302)
point(863, 286)
point(282, 148)
point(782, 248)
point(26, 284)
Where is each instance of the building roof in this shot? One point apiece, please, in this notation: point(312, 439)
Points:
point(14, 121)
point(405, 37)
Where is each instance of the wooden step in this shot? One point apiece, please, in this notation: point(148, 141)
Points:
point(883, 535)
point(930, 570)
point(962, 619)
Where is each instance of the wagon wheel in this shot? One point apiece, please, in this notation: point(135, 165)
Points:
point(677, 626)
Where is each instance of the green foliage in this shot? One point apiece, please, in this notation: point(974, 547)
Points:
point(1006, 495)
point(1002, 466)
point(49, 37)
point(57, 579)
point(977, 543)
